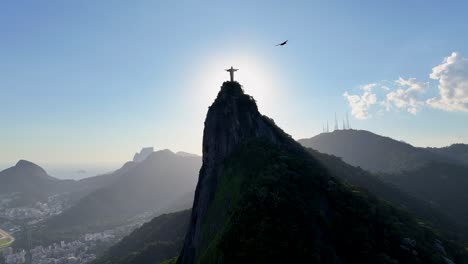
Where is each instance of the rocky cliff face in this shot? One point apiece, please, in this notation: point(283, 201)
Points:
point(144, 153)
point(232, 119)
point(262, 198)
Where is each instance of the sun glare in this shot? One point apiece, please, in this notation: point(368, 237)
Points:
point(256, 77)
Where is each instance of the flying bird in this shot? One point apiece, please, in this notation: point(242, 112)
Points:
point(282, 44)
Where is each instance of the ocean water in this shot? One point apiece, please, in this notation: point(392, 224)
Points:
point(72, 171)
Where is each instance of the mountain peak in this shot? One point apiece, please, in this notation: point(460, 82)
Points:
point(234, 117)
point(232, 120)
point(27, 169)
point(376, 153)
point(144, 153)
point(27, 165)
point(23, 163)
point(231, 89)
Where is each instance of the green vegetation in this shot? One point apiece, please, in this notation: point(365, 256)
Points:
point(413, 202)
point(154, 242)
point(442, 184)
point(41, 235)
point(457, 152)
point(5, 239)
point(5, 242)
point(170, 261)
point(278, 205)
point(430, 183)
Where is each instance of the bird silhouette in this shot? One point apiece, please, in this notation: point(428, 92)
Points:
point(283, 43)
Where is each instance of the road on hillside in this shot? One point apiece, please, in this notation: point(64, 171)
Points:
point(5, 239)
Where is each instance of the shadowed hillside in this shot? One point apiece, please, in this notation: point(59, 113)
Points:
point(443, 185)
point(31, 183)
point(145, 246)
point(457, 152)
point(152, 184)
point(262, 198)
point(437, 176)
point(371, 152)
point(154, 242)
point(414, 203)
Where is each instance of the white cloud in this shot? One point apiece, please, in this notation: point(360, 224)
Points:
point(412, 84)
point(401, 94)
point(384, 87)
point(452, 75)
point(406, 96)
point(360, 104)
point(368, 87)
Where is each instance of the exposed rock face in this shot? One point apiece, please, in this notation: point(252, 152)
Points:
point(144, 153)
point(232, 119)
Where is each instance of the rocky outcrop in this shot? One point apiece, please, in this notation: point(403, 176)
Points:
point(144, 153)
point(232, 119)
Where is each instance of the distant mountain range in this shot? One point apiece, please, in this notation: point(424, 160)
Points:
point(377, 153)
point(437, 176)
point(31, 183)
point(262, 198)
point(153, 184)
point(158, 182)
point(457, 152)
point(26, 176)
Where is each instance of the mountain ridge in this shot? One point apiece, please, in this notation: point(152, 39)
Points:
point(436, 176)
point(143, 186)
point(457, 151)
point(220, 138)
point(31, 182)
point(382, 154)
point(155, 241)
point(262, 198)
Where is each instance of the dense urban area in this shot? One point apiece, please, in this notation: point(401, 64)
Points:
point(13, 221)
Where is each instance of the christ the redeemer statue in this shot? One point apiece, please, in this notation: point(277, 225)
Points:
point(231, 71)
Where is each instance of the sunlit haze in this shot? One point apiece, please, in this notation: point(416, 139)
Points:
point(95, 81)
point(182, 132)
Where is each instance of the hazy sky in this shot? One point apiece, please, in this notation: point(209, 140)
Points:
point(94, 81)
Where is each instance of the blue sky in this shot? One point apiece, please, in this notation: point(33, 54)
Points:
point(94, 81)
